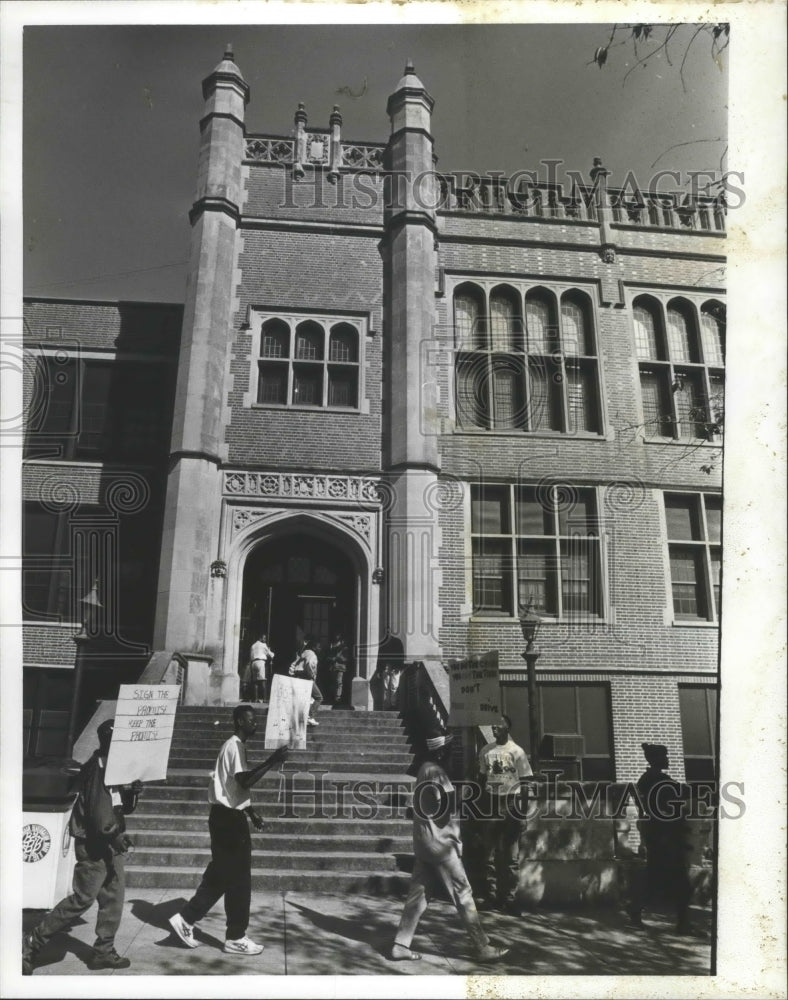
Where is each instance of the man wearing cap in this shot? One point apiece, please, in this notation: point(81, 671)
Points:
point(502, 766)
point(229, 872)
point(664, 833)
point(98, 827)
point(438, 857)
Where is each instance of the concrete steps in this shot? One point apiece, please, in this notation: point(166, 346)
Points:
point(336, 814)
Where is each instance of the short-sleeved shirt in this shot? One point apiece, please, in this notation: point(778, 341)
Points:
point(504, 766)
point(436, 828)
point(225, 790)
point(261, 650)
point(305, 664)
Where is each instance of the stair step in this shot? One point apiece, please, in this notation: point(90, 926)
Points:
point(347, 810)
point(373, 883)
point(272, 840)
point(338, 828)
point(367, 767)
point(195, 857)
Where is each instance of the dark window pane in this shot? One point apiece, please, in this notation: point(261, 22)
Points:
point(309, 342)
point(473, 405)
point(716, 577)
point(342, 388)
point(580, 590)
point(94, 412)
point(508, 392)
point(582, 397)
point(537, 574)
point(533, 513)
point(576, 512)
point(308, 386)
point(714, 518)
point(559, 713)
point(273, 384)
point(656, 405)
point(691, 411)
point(490, 510)
point(469, 321)
point(492, 574)
point(681, 517)
point(696, 729)
point(343, 343)
point(514, 700)
point(39, 532)
point(713, 330)
point(60, 387)
point(544, 404)
point(594, 718)
point(143, 392)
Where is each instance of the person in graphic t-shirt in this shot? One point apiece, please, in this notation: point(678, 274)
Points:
point(502, 766)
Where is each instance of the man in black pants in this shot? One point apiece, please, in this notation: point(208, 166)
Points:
point(229, 872)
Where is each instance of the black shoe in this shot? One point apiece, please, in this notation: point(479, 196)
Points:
point(485, 903)
point(634, 914)
point(107, 960)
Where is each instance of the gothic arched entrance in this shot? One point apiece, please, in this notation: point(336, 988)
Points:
point(296, 585)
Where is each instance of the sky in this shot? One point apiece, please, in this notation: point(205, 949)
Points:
point(111, 122)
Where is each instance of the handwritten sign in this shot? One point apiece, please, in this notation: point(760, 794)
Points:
point(288, 710)
point(475, 690)
point(141, 739)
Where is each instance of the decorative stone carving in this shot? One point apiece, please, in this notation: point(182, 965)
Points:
point(362, 157)
point(218, 569)
point(378, 575)
point(303, 486)
point(608, 254)
point(360, 523)
point(270, 150)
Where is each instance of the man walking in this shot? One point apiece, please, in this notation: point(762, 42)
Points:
point(502, 766)
point(229, 872)
point(438, 857)
point(261, 656)
point(305, 667)
point(98, 827)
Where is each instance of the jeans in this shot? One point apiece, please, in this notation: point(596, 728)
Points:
point(101, 880)
point(317, 698)
point(229, 872)
point(338, 683)
point(502, 851)
point(451, 874)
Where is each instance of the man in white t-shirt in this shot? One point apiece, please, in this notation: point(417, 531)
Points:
point(229, 872)
point(502, 766)
point(261, 656)
point(437, 847)
point(305, 667)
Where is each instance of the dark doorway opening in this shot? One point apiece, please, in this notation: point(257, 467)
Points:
point(294, 586)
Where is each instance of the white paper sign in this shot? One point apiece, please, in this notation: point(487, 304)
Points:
point(141, 739)
point(475, 690)
point(288, 710)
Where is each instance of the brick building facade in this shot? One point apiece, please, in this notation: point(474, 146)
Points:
point(404, 405)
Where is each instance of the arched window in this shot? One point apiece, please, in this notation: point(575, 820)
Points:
point(576, 335)
point(646, 338)
point(343, 343)
point(681, 333)
point(505, 320)
point(712, 321)
point(469, 318)
point(541, 332)
point(275, 340)
point(309, 342)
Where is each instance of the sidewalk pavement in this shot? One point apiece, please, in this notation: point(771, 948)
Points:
point(311, 934)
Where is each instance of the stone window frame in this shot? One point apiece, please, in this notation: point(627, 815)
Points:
point(705, 550)
point(482, 362)
point(295, 367)
point(516, 543)
point(681, 398)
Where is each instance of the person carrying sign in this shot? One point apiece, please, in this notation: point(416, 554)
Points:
point(304, 666)
point(98, 827)
point(229, 872)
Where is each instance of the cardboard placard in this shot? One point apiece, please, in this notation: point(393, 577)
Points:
point(475, 690)
point(141, 739)
point(288, 710)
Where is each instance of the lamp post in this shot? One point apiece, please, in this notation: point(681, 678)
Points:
point(91, 604)
point(529, 625)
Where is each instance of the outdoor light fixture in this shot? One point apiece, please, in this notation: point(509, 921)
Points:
point(529, 624)
point(90, 605)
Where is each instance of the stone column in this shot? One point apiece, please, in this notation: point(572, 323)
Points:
point(411, 446)
point(192, 511)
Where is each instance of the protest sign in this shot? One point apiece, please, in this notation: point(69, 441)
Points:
point(288, 710)
point(141, 739)
point(475, 690)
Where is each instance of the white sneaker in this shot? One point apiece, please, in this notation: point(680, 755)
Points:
point(312, 722)
point(243, 946)
point(184, 931)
